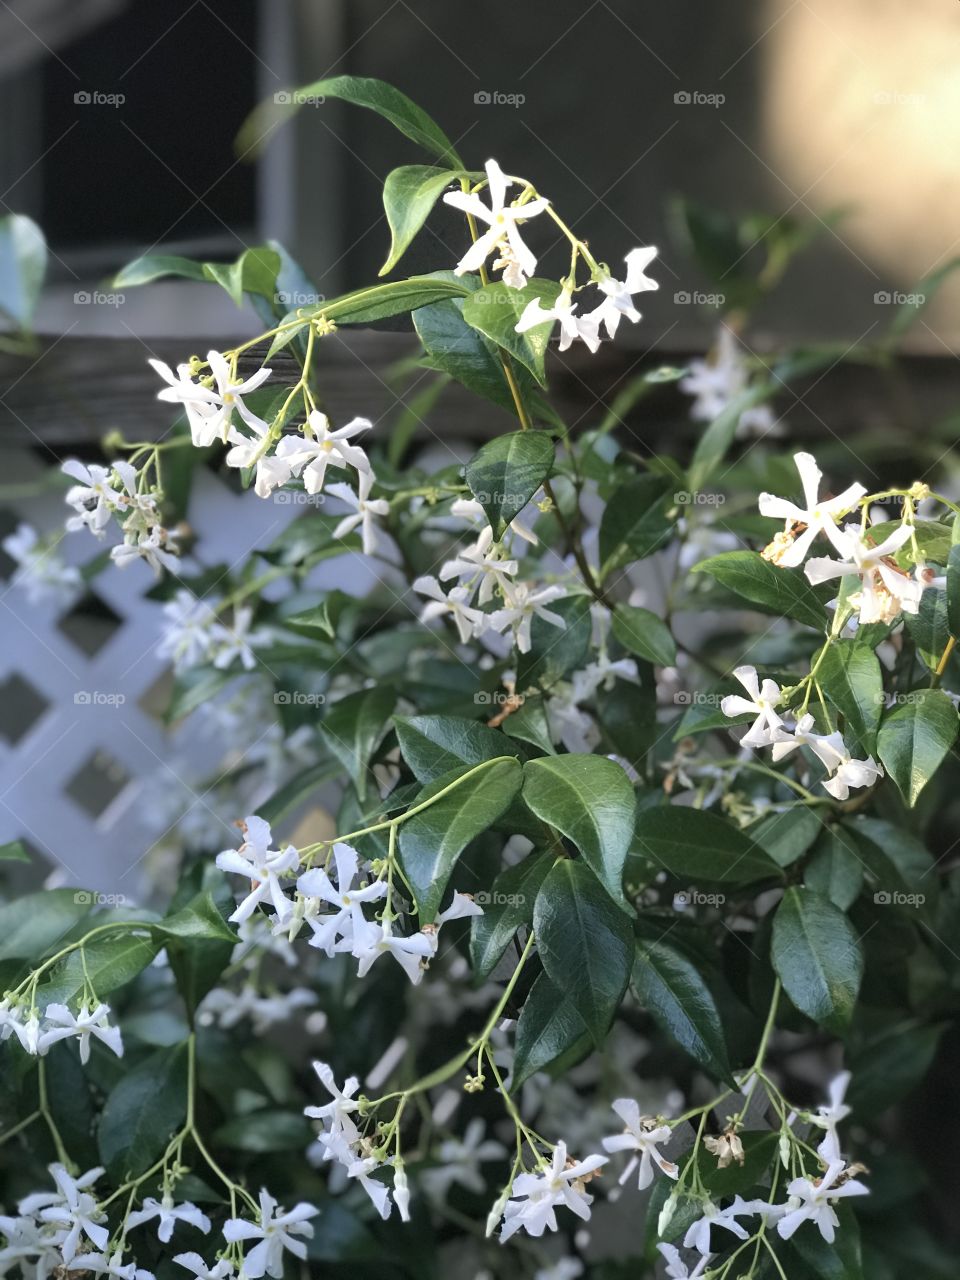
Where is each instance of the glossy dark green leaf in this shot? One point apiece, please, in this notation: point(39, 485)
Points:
point(108, 962)
point(785, 836)
point(643, 633)
point(591, 801)
point(263, 1131)
point(953, 590)
point(772, 589)
point(409, 193)
point(674, 993)
point(851, 678)
point(635, 523)
point(914, 739)
point(702, 846)
point(431, 842)
point(142, 1113)
point(32, 926)
point(549, 1031)
point(506, 472)
point(929, 627)
point(433, 745)
point(835, 869)
point(353, 727)
point(817, 956)
point(900, 867)
point(507, 906)
point(585, 942)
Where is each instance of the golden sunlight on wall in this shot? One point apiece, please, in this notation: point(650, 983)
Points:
point(862, 109)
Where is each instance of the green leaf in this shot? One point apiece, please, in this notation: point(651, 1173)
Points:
point(353, 727)
point(556, 650)
point(507, 906)
point(361, 91)
point(432, 841)
point(23, 265)
point(817, 957)
point(529, 723)
point(494, 311)
point(759, 1152)
point(785, 836)
point(690, 842)
point(897, 862)
point(14, 852)
point(154, 266)
point(263, 1131)
point(193, 687)
point(929, 627)
point(106, 963)
point(680, 1002)
point(506, 472)
point(838, 1261)
point(409, 194)
point(255, 271)
point(454, 348)
point(433, 745)
point(591, 801)
point(549, 1031)
point(635, 522)
point(890, 1064)
point(294, 792)
point(380, 301)
point(32, 925)
point(784, 592)
point(143, 1112)
point(953, 589)
point(200, 919)
point(627, 713)
point(585, 942)
point(914, 739)
point(643, 633)
point(835, 869)
point(851, 678)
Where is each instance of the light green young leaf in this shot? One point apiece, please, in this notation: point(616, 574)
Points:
point(585, 942)
point(817, 957)
point(915, 738)
point(494, 311)
point(23, 265)
point(14, 851)
point(409, 194)
point(154, 266)
point(506, 472)
point(851, 678)
point(590, 800)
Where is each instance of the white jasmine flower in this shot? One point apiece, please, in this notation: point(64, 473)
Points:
point(337, 1115)
point(698, 1233)
point(230, 1008)
point(523, 602)
point(676, 1267)
point(642, 1136)
point(378, 1193)
point(86, 1025)
point(272, 469)
point(27, 1032)
point(401, 1193)
point(320, 448)
point(619, 293)
point(208, 410)
point(347, 900)
point(188, 634)
point(885, 590)
point(365, 509)
point(564, 312)
point(71, 1209)
point(237, 640)
point(371, 941)
point(482, 563)
point(503, 234)
point(169, 1214)
point(471, 510)
point(193, 1262)
point(813, 1200)
point(853, 773)
point(717, 381)
point(534, 1196)
point(831, 751)
point(95, 497)
point(456, 604)
point(818, 516)
point(263, 866)
point(761, 703)
point(155, 547)
point(101, 1265)
point(275, 1232)
point(831, 1115)
point(562, 1269)
point(40, 572)
point(459, 1161)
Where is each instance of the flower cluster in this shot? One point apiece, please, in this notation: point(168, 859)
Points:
point(103, 493)
point(193, 634)
point(37, 1033)
point(40, 572)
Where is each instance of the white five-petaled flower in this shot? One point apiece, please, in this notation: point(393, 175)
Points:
point(168, 1215)
point(40, 572)
point(763, 700)
point(480, 564)
point(830, 749)
point(831, 1115)
point(642, 1136)
point(618, 300)
point(365, 509)
point(320, 447)
point(193, 1262)
point(563, 311)
point(715, 382)
point(885, 590)
point(102, 1265)
point(95, 496)
point(237, 640)
point(502, 236)
point(698, 1233)
point(523, 603)
point(459, 1161)
point(344, 898)
point(454, 604)
point(814, 1200)
point(209, 410)
point(535, 1196)
point(336, 1116)
point(275, 1232)
point(188, 632)
point(818, 516)
point(677, 1269)
point(71, 1209)
point(157, 547)
point(263, 866)
point(371, 941)
point(86, 1025)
